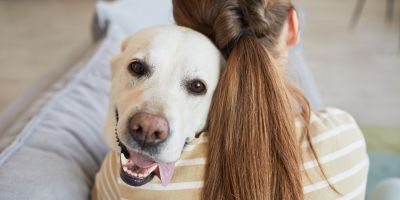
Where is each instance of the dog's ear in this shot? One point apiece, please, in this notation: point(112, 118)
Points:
point(115, 61)
point(114, 64)
point(125, 44)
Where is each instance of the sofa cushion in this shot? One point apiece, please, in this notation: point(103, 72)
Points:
point(59, 151)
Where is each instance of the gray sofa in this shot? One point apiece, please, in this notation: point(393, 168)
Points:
point(51, 142)
point(53, 150)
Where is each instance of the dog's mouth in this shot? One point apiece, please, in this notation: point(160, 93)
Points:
point(137, 169)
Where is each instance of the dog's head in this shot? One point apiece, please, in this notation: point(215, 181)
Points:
point(162, 85)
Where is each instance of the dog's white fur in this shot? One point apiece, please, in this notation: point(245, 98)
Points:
point(176, 54)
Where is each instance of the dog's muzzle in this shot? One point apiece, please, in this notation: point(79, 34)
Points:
point(137, 169)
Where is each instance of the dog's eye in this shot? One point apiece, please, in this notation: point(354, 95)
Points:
point(137, 68)
point(196, 87)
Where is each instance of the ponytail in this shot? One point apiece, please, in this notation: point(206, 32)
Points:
point(253, 149)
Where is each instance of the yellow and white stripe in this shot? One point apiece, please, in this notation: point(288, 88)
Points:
point(335, 136)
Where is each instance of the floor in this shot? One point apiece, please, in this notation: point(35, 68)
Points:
point(355, 70)
point(39, 38)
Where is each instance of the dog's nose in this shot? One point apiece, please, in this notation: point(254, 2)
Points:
point(148, 129)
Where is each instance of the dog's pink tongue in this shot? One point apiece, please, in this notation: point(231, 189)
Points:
point(166, 170)
point(140, 160)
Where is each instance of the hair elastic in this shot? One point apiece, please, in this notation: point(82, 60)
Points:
point(243, 32)
point(247, 32)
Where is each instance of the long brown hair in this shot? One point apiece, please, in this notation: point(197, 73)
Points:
point(254, 151)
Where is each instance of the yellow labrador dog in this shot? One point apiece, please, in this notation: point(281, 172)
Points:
point(162, 85)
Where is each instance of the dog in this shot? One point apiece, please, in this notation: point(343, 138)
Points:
point(161, 90)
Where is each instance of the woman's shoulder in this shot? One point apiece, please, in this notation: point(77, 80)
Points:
point(331, 116)
point(340, 146)
point(331, 122)
point(332, 129)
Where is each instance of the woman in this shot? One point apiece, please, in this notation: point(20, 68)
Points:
point(262, 140)
point(254, 149)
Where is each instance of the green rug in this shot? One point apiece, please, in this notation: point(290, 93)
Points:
point(383, 144)
point(382, 139)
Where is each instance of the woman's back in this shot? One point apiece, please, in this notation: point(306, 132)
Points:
point(337, 140)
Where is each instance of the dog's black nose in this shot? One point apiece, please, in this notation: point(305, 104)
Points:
point(148, 129)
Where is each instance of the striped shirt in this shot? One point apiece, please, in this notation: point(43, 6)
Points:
point(336, 137)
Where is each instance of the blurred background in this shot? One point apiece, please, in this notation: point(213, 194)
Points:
point(351, 46)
